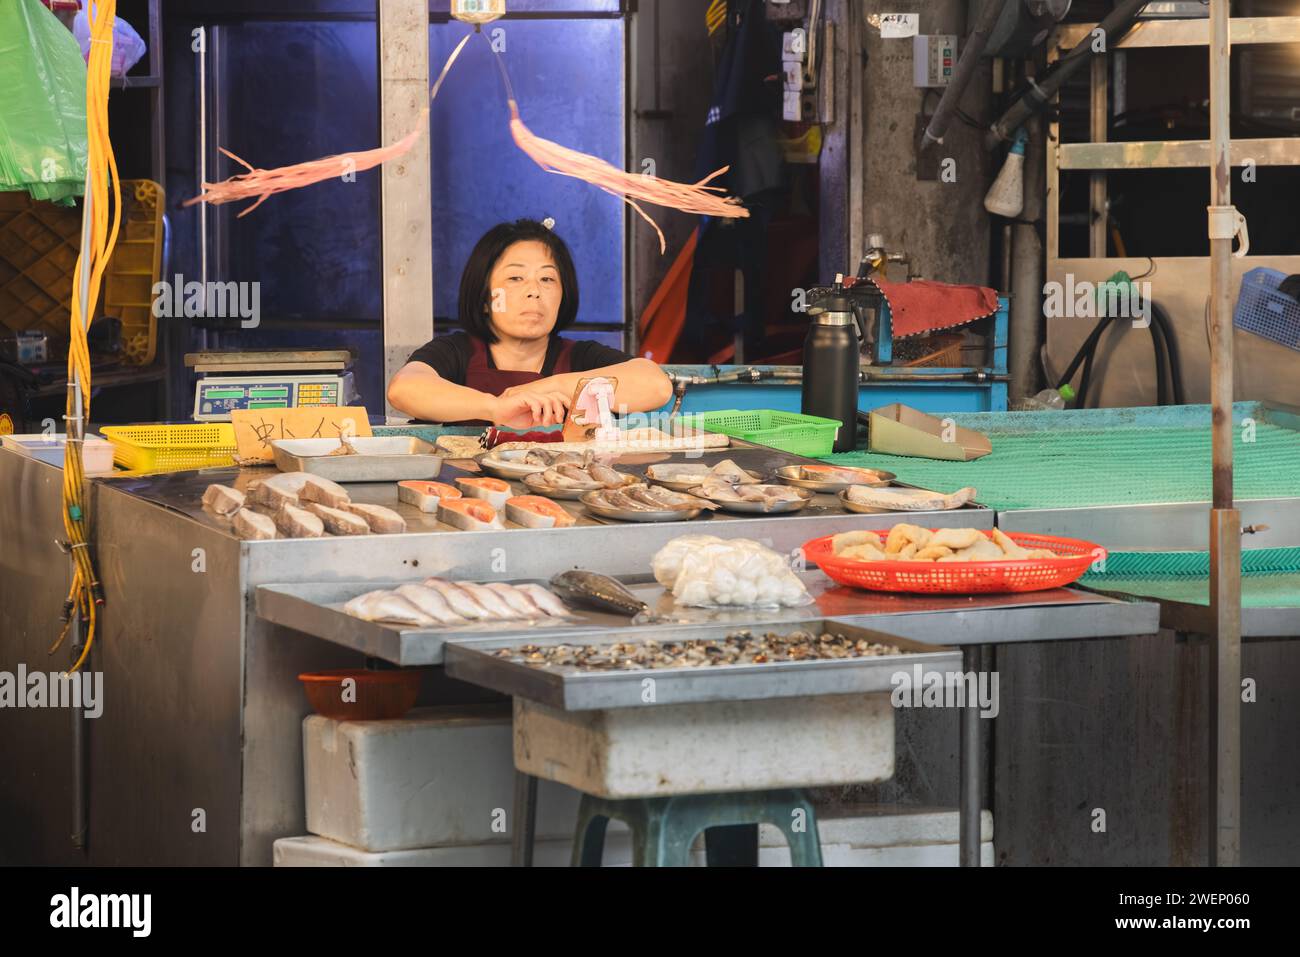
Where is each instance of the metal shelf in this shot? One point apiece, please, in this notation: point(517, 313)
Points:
point(1189, 33)
point(1174, 154)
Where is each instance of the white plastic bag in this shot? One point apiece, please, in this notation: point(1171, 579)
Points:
point(708, 572)
point(128, 48)
point(667, 562)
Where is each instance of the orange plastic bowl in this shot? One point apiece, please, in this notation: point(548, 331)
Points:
point(374, 695)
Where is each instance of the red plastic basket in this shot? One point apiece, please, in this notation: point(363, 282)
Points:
point(962, 578)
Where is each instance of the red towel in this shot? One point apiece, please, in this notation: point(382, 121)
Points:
point(922, 306)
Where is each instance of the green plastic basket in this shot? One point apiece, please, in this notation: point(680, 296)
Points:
point(808, 435)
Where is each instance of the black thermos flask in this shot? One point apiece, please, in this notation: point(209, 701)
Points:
point(830, 365)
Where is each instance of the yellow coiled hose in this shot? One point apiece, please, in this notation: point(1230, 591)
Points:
point(86, 595)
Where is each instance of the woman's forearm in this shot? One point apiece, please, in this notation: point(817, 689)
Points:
point(426, 395)
point(642, 385)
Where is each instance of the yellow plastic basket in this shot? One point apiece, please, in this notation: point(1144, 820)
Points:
point(171, 448)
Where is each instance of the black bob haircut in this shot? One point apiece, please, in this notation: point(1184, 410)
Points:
point(476, 298)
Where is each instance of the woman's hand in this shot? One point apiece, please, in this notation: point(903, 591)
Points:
point(521, 410)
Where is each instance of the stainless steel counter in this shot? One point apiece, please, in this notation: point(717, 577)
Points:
point(182, 491)
point(203, 707)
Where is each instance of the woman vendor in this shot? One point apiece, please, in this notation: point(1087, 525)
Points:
point(510, 366)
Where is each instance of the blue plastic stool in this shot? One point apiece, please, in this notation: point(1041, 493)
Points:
point(663, 829)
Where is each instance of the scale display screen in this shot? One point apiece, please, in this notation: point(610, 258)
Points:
point(216, 398)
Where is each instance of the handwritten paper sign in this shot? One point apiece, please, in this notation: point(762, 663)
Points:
point(256, 429)
point(895, 26)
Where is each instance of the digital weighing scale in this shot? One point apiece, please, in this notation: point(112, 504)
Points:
point(269, 380)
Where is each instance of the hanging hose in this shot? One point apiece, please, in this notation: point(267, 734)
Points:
point(99, 236)
point(1113, 27)
point(1162, 343)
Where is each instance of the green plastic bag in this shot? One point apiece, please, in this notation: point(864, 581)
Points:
point(42, 104)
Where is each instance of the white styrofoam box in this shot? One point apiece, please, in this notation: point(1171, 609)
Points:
point(312, 851)
point(701, 748)
point(96, 451)
point(440, 776)
point(884, 836)
point(891, 838)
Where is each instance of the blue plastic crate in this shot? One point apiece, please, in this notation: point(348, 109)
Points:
point(1264, 311)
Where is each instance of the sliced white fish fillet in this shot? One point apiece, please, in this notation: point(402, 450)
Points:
point(520, 602)
point(337, 521)
point(383, 521)
point(490, 600)
point(461, 601)
point(222, 499)
point(322, 490)
point(431, 602)
point(387, 606)
point(295, 522)
point(253, 526)
point(546, 600)
point(281, 489)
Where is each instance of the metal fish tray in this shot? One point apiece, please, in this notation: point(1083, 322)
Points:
point(534, 484)
point(760, 508)
point(789, 474)
point(395, 458)
point(695, 483)
point(316, 608)
point(507, 464)
point(638, 515)
point(571, 688)
point(852, 506)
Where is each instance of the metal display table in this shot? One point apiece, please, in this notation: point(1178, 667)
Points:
point(183, 632)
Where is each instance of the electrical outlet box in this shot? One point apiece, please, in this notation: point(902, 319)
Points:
point(794, 44)
point(934, 57)
point(793, 75)
point(793, 106)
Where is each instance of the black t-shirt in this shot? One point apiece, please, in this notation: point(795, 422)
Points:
point(449, 356)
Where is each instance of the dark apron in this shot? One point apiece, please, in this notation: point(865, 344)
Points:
point(482, 375)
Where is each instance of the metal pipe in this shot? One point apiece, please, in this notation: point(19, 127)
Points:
point(76, 433)
point(961, 76)
point(970, 792)
point(1112, 28)
point(1225, 520)
point(525, 820)
point(1026, 330)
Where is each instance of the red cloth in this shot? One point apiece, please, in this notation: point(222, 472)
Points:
point(922, 306)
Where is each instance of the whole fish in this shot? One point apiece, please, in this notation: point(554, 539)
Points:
point(612, 498)
point(605, 475)
point(598, 591)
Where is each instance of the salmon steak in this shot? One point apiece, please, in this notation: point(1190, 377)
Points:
point(492, 490)
point(533, 511)
point(425, 495)
point(469, 514)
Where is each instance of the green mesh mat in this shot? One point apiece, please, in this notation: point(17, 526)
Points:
point(1072, 459)
point(1270, 577)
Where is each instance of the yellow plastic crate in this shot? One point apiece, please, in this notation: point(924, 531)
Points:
point(171, 448)
point(134, 268)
